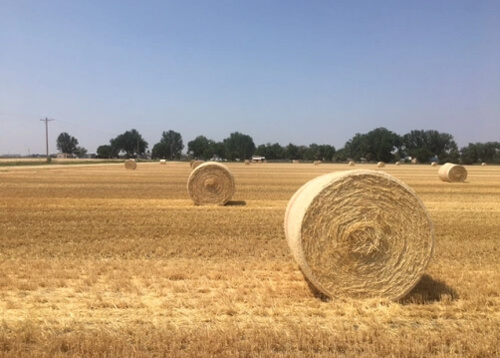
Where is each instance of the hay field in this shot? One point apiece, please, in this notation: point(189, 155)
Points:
point(103, 261)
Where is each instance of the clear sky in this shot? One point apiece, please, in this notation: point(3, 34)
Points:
point(286, 71)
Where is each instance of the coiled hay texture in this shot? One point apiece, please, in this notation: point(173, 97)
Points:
point(211, 184)
point(359, 234)
point(352, 163)
point(130, 164)
point(380, 164)
point(196, 163)
point(453, 173)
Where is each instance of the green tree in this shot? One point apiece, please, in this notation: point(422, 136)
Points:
point(170, 146)
point(105, 151)
point(425, 145)
point(271, 151)
point(239, 145)
point(488, 152)
point(201, 147)
point(130, 142)
point(379, 144)
point(292, 152)
point(80, 152)
point(66, 143)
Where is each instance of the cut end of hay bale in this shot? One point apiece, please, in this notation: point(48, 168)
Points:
point(453, 173)
point(211, 183)
point(130, 164)
point(380, 164)
point(359, 234)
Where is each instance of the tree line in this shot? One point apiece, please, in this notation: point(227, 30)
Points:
point(379, 144)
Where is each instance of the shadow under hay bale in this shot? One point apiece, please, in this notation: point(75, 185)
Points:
point(236, 203)
point(430, 290)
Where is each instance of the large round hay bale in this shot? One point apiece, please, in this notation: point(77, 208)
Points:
point(195, 163)
point(130, 164)
point(452, 173)
point(359, 234)
point(351, 163)
point(211, 183)
point(380, 164)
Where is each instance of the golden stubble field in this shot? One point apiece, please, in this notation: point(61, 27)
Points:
point(96, 260)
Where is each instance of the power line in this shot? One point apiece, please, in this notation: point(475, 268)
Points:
point(46, 120)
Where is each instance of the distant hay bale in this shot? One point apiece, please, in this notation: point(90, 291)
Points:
point(359, 234)
point(434, 164)
point(483, 164)
point(317, 162)
point(295, 161)
point(247, 162)
point(211, 183)
point(452, 173)
point(130, 164)
point(398, 163)
point(195, 163)
point(352, 163)
point(414, 161)
point(380, 164)
point(163, 161)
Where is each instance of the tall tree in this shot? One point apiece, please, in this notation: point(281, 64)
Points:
point(379, 144)
point(170, 146)
point(66, 143)
point(130, 142)
point(428, 144)
point(239, 146)
point(105, 151)
point(271, 151)
point(201, 147)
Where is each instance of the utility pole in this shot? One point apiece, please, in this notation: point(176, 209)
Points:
point(46, 120)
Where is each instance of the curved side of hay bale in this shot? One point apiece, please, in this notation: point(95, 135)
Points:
point(211, 183)
point(351, 163)
point(195, 163)
point(130, 164)
point(359, 233)
point(295, 161)
point(247, 162)
point(317, 162)
point(483, 164)
point(163, 161)
point(398, 163)
point(433, 164)
point(452, 173)
point(380, 164)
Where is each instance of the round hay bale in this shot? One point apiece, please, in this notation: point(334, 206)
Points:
point(483, 164)
point(295, 161)
point(247, 162)
point(317, 162)
point(380, 164)
point(352, 163)
point(398, 163)
point(434, 164)
point(196, 163)
point(163, 161)
point(452, 173)
point(211, 183)
point(130, 164)
point(359, 234)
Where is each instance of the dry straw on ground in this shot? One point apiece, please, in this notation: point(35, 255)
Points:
point(130, 164)
point(453, 173)
point(352, 163)
point(380, 164)
point(195, 163)
point(211, 183)
point(359, 233)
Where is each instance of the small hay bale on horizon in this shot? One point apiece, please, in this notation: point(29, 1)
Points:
point(163, 161)
point(130, 164)
point(247, 162)
point(295, 161)
point(434, 164)
point(351, 163)
point(380, 164)
point(317, 162)
point(483, 164)
point(398, 163)
point(453, 173)
point(211, 183)
point(359, 234)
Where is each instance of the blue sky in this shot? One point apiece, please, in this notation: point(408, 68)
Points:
point(280, 71)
